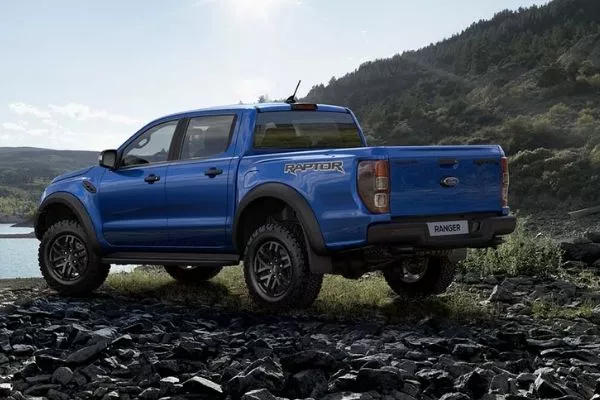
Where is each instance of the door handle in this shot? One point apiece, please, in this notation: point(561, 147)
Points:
point(212, 172)
point(152, 178)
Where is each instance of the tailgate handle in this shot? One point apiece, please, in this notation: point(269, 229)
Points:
point(448, 162)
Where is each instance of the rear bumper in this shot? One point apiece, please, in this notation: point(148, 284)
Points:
point(483, 232)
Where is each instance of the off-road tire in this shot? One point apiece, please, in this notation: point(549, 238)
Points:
point(95, 272)
point(439, 275)
point(305, 286)
point(192, 276)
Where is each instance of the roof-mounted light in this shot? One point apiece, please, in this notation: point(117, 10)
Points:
point(304, 107)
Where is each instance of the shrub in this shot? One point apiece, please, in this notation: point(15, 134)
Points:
point(522, 254)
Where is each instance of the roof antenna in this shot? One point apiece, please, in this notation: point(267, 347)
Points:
point(292, 98)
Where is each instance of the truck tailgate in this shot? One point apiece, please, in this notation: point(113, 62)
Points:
point(444, 180)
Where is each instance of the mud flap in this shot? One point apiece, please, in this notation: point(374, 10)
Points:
point(317, 264)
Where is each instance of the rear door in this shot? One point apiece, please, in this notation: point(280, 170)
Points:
point(198, 195)
point(444, 180)
point(132, 198)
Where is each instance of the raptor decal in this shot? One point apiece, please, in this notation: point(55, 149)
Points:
point(335, 166)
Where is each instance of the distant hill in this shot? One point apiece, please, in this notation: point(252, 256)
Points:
point(24, 171)
point(527, 79)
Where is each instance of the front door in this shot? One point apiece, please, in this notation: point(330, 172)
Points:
point(132, 199)
point(198, 184)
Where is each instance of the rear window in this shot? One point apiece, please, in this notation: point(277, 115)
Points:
point(305, 130)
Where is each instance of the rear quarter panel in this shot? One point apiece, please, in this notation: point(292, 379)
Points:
point(331, 193)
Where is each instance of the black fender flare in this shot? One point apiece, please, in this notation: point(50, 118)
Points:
point(295, 200)
point(76, 207)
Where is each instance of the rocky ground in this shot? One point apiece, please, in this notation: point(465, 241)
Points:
point(113, 347)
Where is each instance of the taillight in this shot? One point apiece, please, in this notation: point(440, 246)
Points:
point(374, 185)
point(505, 181)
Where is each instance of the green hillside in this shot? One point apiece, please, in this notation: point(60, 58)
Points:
point(24, 171)
point(528, 80)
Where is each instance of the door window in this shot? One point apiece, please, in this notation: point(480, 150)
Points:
point(150, 147)
point(207, 136)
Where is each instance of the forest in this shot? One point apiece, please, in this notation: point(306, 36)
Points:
point(527, 79)
point(25, 171)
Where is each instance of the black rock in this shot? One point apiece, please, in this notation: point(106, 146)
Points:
point(378, 379)
point(262, 374)
point(191, 350)
point(199, 385)
point(466, 351)
point(473, 384)
point(54, 394)
point(150, 394)
point(308, 383)
point(308, 359)
point(86, 354)
point(435, 381)
point(30, 370)
point(5, 389)
point(586, 252)
point(455, 396)
point(259, 394)
point(373, 361)
point(501, 294)
point(342, 381)
point(546, 389)
point(122, 341)
point(47, 362)
point(22, 350)
point(260, 348)
point(62, 375)
point(41, 390)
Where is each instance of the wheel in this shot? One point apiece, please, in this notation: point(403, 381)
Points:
point(276, 269)
point(421, 277)
point(192, 275)
point(67, 262)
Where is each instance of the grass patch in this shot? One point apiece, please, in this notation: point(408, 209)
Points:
point(546, 309)
point(339, 298)
point(522, 254)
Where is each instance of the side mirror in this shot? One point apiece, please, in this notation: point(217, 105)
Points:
point(108, 159)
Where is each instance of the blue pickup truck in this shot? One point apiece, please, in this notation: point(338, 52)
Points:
point(291, 189)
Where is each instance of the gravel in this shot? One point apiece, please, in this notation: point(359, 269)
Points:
point(111, 347)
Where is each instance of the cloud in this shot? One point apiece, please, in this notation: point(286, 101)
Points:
point(12, 127)
point(76, 111)
point(4, 137)
point(27, 109)
point(50, 122)
point(37, 131)
point(82, 112)
point(202, 3)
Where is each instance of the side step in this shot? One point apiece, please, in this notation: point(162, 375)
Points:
point(194, 259)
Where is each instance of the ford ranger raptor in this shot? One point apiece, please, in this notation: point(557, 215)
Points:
point(291, 191)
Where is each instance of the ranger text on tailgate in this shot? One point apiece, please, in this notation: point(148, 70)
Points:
point(292, 190)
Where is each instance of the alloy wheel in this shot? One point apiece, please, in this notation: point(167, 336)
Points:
point(67, 258)
point(272, 268)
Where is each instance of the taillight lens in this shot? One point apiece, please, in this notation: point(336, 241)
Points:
point(374, 185)
point(505, 181)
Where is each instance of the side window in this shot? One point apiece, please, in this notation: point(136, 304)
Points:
point(206, 136)
point(151, 147)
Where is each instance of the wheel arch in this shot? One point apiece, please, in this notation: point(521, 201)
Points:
point(62, 205)
point(286, 195)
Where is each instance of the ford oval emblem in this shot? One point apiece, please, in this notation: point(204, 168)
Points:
point(450, 181)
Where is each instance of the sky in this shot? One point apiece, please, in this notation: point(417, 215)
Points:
point(86, 75)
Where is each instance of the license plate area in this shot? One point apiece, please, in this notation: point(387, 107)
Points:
point(448, 228)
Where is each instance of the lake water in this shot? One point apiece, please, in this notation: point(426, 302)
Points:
point(18, 257)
